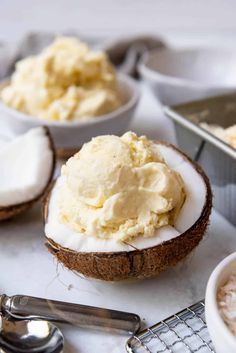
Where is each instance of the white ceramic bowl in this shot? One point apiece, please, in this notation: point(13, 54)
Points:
point(224, 341)
point(70, 135)
point(180, 76)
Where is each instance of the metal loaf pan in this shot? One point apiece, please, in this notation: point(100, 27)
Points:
point(216, 157)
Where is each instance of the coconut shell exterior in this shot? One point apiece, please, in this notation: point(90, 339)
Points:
point(12, 211)
point(143, 263)
point(65, 153)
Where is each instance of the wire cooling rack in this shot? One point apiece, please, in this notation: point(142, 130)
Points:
point(185, 332)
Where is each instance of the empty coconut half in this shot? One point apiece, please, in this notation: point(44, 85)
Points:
point(113, 251)
point(27, 166)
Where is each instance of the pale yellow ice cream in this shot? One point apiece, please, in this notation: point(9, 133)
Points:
point(67, 81)
point(227, 135)
point(119, 187)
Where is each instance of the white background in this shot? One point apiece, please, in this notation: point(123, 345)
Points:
point(183, 22)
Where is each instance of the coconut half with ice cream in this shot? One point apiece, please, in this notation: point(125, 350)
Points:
point(27, 166)
point(126, 207)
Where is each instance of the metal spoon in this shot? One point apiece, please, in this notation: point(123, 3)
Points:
point(28, 308)
point(30, 336)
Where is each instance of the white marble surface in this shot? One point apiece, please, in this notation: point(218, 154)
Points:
point(27, 267)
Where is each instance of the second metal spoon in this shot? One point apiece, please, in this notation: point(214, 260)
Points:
point(30, 336)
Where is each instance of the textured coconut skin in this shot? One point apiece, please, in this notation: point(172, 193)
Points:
point(65, 153)
point(12, 211)
point(116, 266)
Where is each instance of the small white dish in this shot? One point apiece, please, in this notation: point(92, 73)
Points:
point(180, 76)
point(71, 135)
point(223, 339)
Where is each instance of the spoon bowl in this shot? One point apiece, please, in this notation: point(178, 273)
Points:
point(30, 336)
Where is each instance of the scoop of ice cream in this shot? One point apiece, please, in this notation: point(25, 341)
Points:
point(119, 187)
point(227, 135)
point(66, 81)
point(230, 135)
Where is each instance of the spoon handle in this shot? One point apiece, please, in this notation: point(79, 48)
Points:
point(25, 307)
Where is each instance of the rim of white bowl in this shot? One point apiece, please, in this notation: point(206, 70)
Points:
point(132, 102)
point(151, 74)
point(211, 293)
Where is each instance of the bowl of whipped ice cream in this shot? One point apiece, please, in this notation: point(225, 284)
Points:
point(221, 305)
point(70, 88)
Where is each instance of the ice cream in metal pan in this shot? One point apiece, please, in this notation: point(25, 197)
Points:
point(216, 157)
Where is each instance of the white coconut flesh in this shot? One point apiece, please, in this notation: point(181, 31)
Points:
point(196, 193)
point(26, 165)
